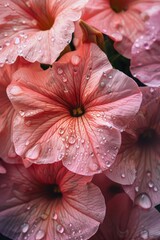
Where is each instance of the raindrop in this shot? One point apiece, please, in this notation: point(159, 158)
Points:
point(143, 200)
point(40, 234)
point(34, 22)
point(61, 131)
point(25, 227)
point(72, 140)
point(108, 164)
point(34, 152)
point(60, 228)
point(144, 234)
point(54, 216)
point(1, 48)
point(60, 156)
point(64, 79)
point(102, 84)
point(123, 175)
point(155, 189)
point(93, 166)
point(152, 90)
point(7, 43)
point(16, 90)
point(60, 71)
point(6, 4)
point(39, 38)
point(82, 141)
point(44, 216)
point(75, 60)
point(17, 40)
point(137, 189)
point(150, 184)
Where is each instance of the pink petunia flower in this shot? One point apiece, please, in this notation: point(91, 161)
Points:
point(73, 111)
point(48, 202)
point(7, 112)
point(38, 30)
point(145, 60)
point(123, 21)
point(138, 160)
point(126, 221)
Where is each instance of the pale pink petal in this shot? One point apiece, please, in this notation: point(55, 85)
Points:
point(32, 208)
point(7, 112)
point(73, 111)
point(123, 21)
point(37, 30)
point(145, 61)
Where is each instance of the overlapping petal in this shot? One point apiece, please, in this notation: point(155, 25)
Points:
point(48, 103)
point(145, 61)
point(37, 30)
point(7, 112)
point(123, 21)
point(47, 202)
point(138, 159)
point(128, 222)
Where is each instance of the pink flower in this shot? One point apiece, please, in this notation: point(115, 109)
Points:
point(73, 112)
point(48, 202)
point(138, 160)
point(7, 112)
point(145, 60)
point(128, 222)
point(38, 30)
point(123, 20)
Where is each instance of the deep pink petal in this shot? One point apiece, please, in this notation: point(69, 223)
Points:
point(29, 210)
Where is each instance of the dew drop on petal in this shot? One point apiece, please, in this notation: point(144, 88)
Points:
point(144, 234)
point(93, 166)
point(60, 228)
point(15, 91)
point(60, 156)
point(143, 200)
point(60, 71)
point(34, 152)
point(40, 234)
point(17, 40)
point(72, 140)
point(123, 175)
point(25, 227)
point(75, 60)
point(61, 131)
point(150, 184)
point(54, 216)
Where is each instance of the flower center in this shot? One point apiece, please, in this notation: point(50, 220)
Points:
point(77, 112)
point(119, 5)
point(53, 191)
point(148, 137)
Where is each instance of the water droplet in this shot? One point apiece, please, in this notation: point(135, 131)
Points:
point(72, 140)
point(44, 216)
point(39, 38)
point(93, 166)
point(34, 22)
point(152, 90)
point(123, 175)
point(144, 234)
point(54, 216)
point(15, 91)
point(1, 48)
point(136, 188)
point(60, 156)
point(40, 234)
point(34, 152)
point(155, 189)
point(6, 4)
point(102, 84)
point(143, 200)
point(150, 184)
point(61, 131)
point(60, 71)
point(75, 60)
point(25, 227)
point(60, 228)
point(17, 40)
point(64, 79)
point(108, 164)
